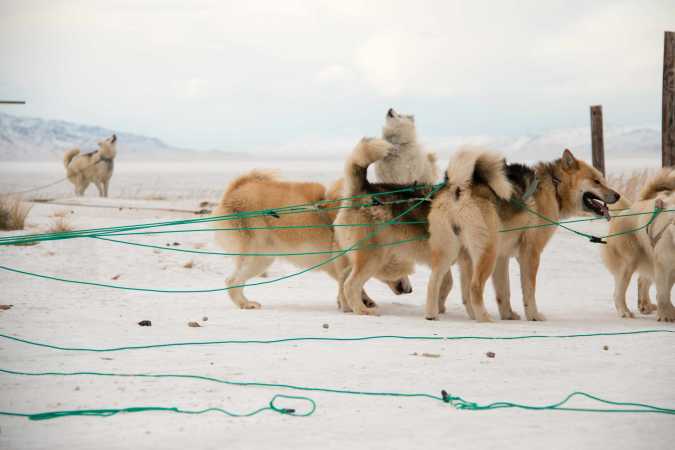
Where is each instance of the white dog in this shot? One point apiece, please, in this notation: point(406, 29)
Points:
point(95, 167)
point(407, 162)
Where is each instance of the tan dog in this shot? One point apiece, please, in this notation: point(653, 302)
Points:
point(555, 190)
point(309, 231)
point(429, 217)
point(95, 167)
point(650, 250)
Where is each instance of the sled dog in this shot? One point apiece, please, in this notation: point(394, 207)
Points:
point(407, 162)
point(95, 167)
point(650, 250)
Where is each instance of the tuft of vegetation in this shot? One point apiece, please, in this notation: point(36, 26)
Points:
point(60, 225)
point(13, 213)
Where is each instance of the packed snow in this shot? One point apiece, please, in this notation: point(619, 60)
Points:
point(574, 292)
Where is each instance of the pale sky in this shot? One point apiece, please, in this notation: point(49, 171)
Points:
point(242, 75)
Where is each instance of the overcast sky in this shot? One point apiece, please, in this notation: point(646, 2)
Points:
point(244, 74)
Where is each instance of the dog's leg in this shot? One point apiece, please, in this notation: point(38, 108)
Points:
point(440, 266)
point(80, 185)
point(247, 268)
point(99, 188)
point(482, 269)
point(106, 183)
point(365, 265)
point(645, 304)
point(465, 275)
point(502, 286)
point(446, 287)
point(528, 258)
point(621, 281)
point(663, 278)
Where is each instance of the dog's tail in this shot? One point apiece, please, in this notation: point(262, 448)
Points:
point(69, 155)
point(474, 166)
point(366, 152)
point(663, 181)
point(235, 200)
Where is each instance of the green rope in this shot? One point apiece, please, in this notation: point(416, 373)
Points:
point(331, 339)
point(592, 238)
point(553, 223)
point(378, 229)
point(291, 209)
point(455, 401)
point(319, 252)
point(266, 228)
point(271, 406)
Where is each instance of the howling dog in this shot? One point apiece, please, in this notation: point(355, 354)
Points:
point(650, 250)
point(303, 232)
point(406, 163)
point(463, 222)
point(378, 256)
point(95, 167)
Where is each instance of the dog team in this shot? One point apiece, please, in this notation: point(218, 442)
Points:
point(461, 217)
point(441, 218)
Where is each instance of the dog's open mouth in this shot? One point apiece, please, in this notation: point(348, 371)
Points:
point(595, 204)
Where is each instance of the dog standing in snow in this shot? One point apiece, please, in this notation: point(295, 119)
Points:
point(95, 167)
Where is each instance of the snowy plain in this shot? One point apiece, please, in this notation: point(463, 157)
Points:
point(574, 292)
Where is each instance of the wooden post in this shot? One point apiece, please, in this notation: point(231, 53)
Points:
point(668, 111)
point(597, 139)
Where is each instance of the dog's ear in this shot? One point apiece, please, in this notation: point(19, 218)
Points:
point(569, 162)
point(114, 138)
point(391, 112)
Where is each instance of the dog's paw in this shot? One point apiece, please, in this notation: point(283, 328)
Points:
point(364, 311)
point(535, 317)
point(431, 317)
point(441, 308)
point(626, 314)
point(647, 308)
point(511, 316)
point(250, 305)
point(666, 314)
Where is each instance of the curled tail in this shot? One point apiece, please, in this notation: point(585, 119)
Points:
point(472, 166)
point(663, 181)
point(366, 152)
point(69, 155)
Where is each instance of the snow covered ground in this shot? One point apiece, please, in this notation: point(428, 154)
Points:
point(574, 292)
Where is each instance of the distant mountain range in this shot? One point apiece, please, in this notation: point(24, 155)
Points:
point(620, 141)
point(30, 139)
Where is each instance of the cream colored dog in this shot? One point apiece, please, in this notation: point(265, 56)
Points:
point(650, 250)
point(406, 162)
point(95, 167)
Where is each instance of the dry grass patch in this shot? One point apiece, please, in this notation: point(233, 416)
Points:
point(13, 213)
point(60, 225)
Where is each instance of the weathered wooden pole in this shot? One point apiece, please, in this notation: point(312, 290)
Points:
point(668, 111)
point(597, 139)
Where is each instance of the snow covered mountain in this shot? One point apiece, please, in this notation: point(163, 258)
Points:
point(619, 142)
point(23, 138)
point(38, 139)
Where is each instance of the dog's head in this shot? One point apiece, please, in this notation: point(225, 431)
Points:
point(108, 146)
point(584, 187)
point(399, 128)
